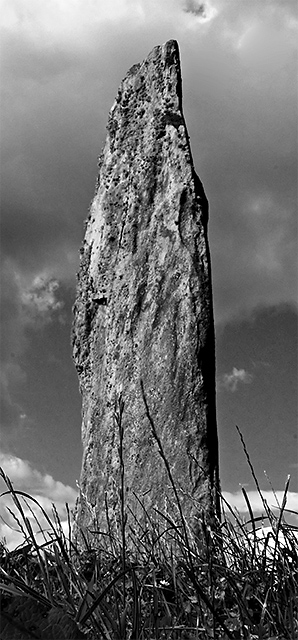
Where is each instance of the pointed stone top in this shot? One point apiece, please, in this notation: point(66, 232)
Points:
point(160, 73)
point(167, 52)
point(150, 93)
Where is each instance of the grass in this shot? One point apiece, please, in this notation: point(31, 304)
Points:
point(155, 582)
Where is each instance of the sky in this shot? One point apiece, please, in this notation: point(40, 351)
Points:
point(61, 64)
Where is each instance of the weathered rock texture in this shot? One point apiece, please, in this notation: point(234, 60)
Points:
point(144, 307)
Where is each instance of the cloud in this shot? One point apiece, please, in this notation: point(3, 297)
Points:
point(266, 539)
point(263, 540)
point(40, 299)
point(50, 23)
point(274, 501)
point(203, 11)
point(231, 380)
point(40, 486)
point(197, 8)
point(264, 533)
point(265, 47)
point(27, 298)
point(28, 301)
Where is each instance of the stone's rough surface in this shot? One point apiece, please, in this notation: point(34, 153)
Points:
point(143, 309)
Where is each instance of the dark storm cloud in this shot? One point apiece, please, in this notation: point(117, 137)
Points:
point(241, 121)
point(194, 7)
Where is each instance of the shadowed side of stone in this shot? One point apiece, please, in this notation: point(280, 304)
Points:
point(143, 309)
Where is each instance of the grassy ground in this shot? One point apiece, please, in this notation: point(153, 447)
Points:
point(156, 582)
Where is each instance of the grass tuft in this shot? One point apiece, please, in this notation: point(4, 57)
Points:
point(157, 580)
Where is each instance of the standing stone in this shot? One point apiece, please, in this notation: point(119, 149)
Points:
point(143, 310)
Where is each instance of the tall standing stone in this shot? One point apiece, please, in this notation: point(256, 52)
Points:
point(143, 310)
